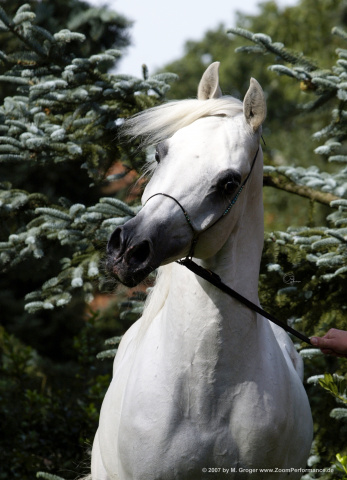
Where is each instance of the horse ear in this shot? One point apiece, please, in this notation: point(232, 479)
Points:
point(254, 105)
point(209, 83)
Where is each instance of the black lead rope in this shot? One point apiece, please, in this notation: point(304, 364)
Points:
point(215, 280)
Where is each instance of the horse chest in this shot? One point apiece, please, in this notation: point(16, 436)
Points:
point(174, 421)
point(176, 440)
point(168, 422)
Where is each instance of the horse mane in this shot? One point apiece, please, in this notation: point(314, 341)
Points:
point(159, 123)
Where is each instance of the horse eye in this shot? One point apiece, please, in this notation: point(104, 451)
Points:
point(157, 157)
point(228, 182)
point(230, 186)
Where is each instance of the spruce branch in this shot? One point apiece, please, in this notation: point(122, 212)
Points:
point(287, 185)
point(48, 476)
point(339, 32)
point(268, 46)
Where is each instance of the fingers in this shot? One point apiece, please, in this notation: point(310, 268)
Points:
point(334, 342)
point(322, 342)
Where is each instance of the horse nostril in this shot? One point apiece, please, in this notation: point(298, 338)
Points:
point(139, 253)
point(115, 241)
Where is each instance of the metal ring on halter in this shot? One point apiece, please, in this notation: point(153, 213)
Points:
point(185, 213)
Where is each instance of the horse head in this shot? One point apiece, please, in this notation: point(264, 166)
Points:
point(204, 153)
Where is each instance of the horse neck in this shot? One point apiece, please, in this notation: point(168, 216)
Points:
point(238, 262)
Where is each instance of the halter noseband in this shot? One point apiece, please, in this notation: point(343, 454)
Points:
point(226, 211)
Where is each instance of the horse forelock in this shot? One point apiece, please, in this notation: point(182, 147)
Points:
point(159, 123)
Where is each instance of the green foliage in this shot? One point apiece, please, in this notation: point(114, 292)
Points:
point(49, 412)
point(48, 476)
point(342, 465)
point(103, 28)
point(67, 111)
point(62, 174)
point(335, 385)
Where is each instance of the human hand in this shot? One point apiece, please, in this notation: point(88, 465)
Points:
point(334, 342)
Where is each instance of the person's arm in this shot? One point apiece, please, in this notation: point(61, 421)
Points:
point(334, 342)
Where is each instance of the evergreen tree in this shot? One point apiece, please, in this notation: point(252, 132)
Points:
point(58, 142)
point(288, 133)
point(102, 28)
point(307, 266)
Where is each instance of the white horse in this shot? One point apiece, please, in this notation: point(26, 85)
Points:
point(202, 386)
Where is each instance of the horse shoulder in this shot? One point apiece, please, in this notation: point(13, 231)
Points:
point(290, 354)
point(104, 461)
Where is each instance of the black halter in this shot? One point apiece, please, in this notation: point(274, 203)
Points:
point(212, 277)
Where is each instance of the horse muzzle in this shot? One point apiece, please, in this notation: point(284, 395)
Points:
point(130, 259)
